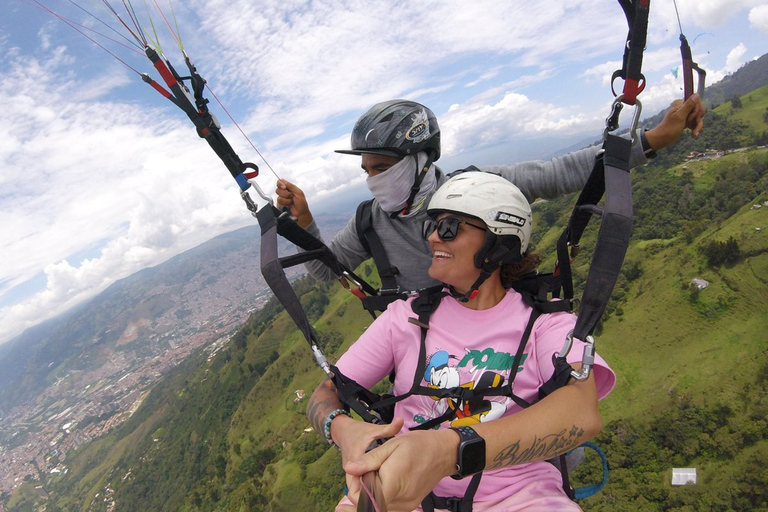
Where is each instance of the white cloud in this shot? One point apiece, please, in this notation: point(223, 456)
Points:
point(479, 124)
point(735, 58)
point(701, 13)
point(86, 173)
point(758, 18)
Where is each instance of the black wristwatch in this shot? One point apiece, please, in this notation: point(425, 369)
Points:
point(471, 458)
point(648, 151)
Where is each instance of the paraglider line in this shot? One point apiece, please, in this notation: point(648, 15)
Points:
point(241, 130)
point(103, 23)
point(74, 25)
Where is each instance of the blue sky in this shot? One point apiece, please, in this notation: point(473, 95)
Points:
point(102, 177)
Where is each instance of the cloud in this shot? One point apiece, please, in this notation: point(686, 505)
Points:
point(758, 18)
point(735, 58)
point(702, 13)
point(82, 173)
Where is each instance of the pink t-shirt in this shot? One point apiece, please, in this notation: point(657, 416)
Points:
point(474, 349)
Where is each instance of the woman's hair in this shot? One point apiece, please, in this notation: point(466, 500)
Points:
point(512, 272)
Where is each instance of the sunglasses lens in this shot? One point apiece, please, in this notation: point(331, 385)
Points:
point(447, 228)
point(428, 228)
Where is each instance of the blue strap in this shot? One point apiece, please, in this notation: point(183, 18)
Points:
point(589, 490)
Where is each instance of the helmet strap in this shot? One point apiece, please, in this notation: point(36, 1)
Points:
point(485, 273)
point(492, 255)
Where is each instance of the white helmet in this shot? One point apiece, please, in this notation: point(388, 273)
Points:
point(490, 198)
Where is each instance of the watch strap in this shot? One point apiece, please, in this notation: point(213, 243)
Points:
point(648, 151)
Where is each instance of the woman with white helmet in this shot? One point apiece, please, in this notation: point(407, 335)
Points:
point(478, 232)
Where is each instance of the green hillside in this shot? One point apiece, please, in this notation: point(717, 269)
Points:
point(751, 109)
point(223, 431)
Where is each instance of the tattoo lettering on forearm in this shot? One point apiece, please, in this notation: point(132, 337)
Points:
point(541, 449)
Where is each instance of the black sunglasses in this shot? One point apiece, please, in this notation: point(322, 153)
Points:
point(447, 228)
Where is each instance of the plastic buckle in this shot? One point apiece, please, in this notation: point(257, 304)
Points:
point(453, 504)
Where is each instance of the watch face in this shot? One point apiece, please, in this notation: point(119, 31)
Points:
point(473, 456)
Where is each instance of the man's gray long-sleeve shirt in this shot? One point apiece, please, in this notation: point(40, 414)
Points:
point(402, 239)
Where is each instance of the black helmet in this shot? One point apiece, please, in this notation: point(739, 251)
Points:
point(396, 128)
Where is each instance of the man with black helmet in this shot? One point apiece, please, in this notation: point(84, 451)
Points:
point(399, 141)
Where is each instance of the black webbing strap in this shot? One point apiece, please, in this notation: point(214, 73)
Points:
point(454, 504)
point(563, 467)
point(610, 177)
point(423, 305)
point(313, 247)
point(274, 275)
point(636, 12)
point(359, 399)
point(390, 290)
point(272, 222)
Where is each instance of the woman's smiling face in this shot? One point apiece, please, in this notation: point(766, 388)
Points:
point(453, 261)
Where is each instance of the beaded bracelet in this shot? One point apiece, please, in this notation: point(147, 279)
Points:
point(327, 425)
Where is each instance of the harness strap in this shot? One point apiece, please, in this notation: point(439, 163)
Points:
point(610, 176)
point(372, 243)
point(390, 290)
point(636, 12)
point(454, 503)
point(563, 466)
point(272, 270)
point(314, 249)
point(423, 305)
point(354, 396)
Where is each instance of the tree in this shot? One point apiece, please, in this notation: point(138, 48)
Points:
point(721, 253)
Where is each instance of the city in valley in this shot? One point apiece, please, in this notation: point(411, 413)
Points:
point(35, 437)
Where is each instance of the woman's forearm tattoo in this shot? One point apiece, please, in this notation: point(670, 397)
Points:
point(541, 448)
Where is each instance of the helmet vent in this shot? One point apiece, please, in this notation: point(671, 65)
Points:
point(372, 137)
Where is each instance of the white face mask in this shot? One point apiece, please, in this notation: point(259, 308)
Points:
point(392, 187)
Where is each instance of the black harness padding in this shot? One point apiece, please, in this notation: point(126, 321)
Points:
point(609, 177)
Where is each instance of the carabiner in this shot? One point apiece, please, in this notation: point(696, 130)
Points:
point(587, 358)
point(612, 121)
point(250, 204)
